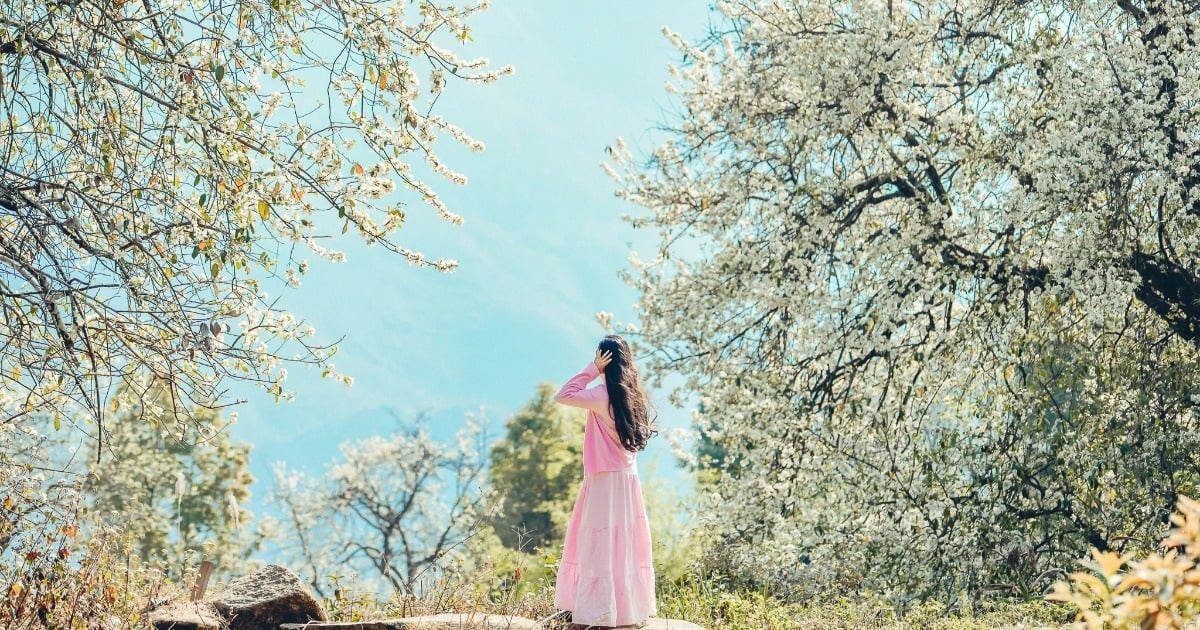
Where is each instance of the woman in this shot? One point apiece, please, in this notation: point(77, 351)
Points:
point(606, 577)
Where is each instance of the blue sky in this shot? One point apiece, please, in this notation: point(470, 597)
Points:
point(539, 251)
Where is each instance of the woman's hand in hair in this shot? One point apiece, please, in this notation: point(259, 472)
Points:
point(602, 359)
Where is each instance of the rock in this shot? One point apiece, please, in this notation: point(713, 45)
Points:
point(653, 623)
point(265, 599)
point(473, 621)
point(186, 616)
point(444, 621)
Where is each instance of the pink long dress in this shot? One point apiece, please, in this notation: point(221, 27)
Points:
point(606, 576)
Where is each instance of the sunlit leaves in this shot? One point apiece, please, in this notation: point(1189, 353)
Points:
point(1159, 591)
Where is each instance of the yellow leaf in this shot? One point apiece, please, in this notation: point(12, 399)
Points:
point(168, 272)
point(14, 591)
point(346, 226)
point(264, 209)
point(1133, 581)
point(8, 503)
point(1008, 372)
point(1089, 585)
point(382, 80)
point(1108, 562)
point(205, 244)
point(16, 372)
point(70, 531)
point(358, 169)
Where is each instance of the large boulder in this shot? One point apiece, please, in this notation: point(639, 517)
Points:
point(265, 599)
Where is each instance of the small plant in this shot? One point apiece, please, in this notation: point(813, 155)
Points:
point(1154, 592)
point(49, 579)
point(347, 604)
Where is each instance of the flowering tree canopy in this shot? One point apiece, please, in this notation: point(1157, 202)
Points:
point(161, 159)
point(901, 244)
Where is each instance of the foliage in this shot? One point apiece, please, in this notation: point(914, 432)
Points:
point(710, 602)
point(395, 508)
point(1159, 591)
point(678, 540)
point(930, 270)
point(50, 577)
point(161, 160)
point(176, 493)
point(536, 469)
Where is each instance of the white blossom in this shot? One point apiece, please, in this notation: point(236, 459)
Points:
point(930, 269)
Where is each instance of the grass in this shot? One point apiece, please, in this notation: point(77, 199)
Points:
point(718, 610)
point(704, 602)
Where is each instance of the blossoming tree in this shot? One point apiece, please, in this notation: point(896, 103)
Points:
point(159, 160)
point(398, 510)
point(932, 272)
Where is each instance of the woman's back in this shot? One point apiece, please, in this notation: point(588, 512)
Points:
point(602, 449)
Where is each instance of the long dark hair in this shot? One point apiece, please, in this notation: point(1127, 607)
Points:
point(631, 406)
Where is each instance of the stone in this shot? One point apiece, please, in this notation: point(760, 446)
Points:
point(430, 622)
point(186, 616)
point(266, 599)
point(653, 623)
point(475, 621)
point(444, 621)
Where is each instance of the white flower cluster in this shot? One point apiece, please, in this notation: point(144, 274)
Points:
point(932, 271)
point(406, 482)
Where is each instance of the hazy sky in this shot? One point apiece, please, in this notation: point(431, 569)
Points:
point(540, 248)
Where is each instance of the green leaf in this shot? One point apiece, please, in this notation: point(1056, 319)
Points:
point(215, 269)
point(57, 423)
point(203, 199)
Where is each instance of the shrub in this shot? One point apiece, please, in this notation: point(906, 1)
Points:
point(1158, 591)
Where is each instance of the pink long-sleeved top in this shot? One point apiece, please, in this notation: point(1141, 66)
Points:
point(602, 450)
